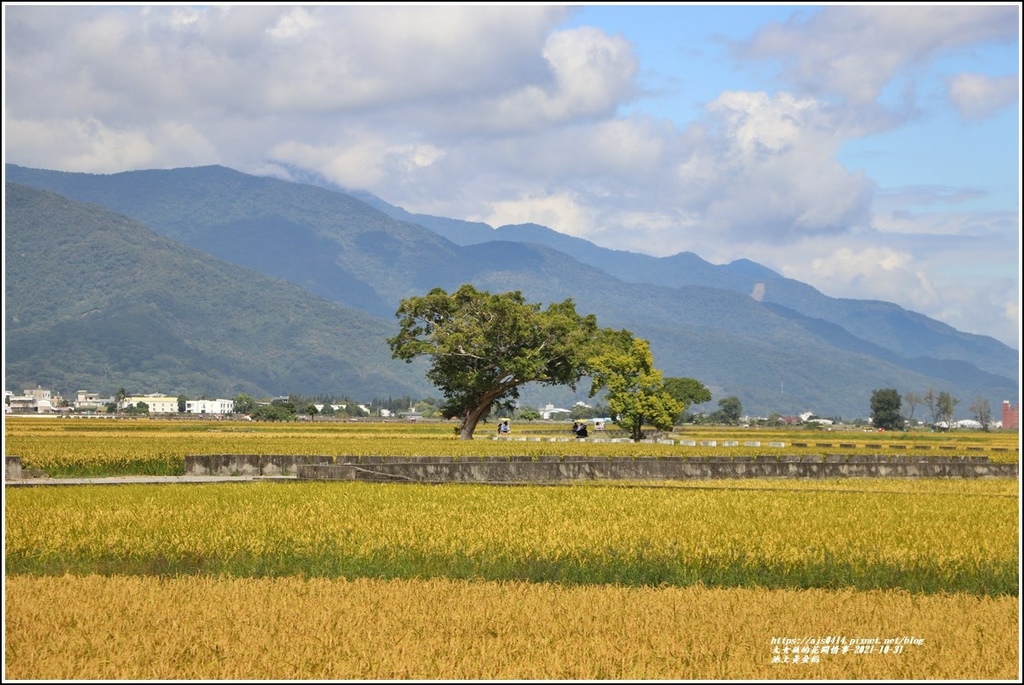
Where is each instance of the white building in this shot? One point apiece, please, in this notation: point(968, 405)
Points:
point(209, 406)
point(33, 401)
point(91, 400)
point(550, 411)
point(157, 403)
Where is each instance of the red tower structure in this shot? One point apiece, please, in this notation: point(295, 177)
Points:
point(1010, 416)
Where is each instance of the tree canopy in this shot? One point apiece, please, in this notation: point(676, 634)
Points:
point(483, 347)
point(624, 366)
point(689, 391)
point(885, 409)
point(730, 409)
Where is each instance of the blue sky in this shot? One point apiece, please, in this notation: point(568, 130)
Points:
point(869, 150)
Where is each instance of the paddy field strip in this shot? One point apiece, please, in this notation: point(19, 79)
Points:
point(103, 447)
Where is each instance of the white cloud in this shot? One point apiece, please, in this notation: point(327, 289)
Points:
point(91, 146)
point(494, 113)
point(977, 96)
point(855, 50)
point(295, 24)
point(559, 210)
point(592, 73)
point(766, 169)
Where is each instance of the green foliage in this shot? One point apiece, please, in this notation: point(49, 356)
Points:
point(166, 332)
point(243, 403)
point(885, 409)
point(273, 412)
point(730, 410)
point(624, 367)
point(529, 414)
point(689, 391)
point(483, 347)
point(982, 412)
point(946, 406)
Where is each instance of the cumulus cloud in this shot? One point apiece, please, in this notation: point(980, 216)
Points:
point(591, 74)
point(552, 209)
point(766, 169)
point(89, 145)
point(501, 114)
point(853, 51)
point(977, 96)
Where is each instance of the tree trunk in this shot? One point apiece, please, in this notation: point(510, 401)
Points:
point(638, 432)
point(473, 416)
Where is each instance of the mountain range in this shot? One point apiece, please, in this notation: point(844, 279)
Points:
point(210, 281)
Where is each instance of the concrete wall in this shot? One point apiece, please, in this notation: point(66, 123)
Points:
point(527, 470)
point(546, 469)
point(12, 468)
point(249, 464)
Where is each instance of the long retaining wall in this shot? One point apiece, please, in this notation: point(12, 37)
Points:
point(541, 470)
point(548, 469)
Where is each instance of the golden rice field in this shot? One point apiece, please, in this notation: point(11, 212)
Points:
point(361, 581)
point(222, 628)
point(97, 447)
point(956, 536)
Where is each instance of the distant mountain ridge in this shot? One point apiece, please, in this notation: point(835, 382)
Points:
point(807, 353)
point(96, 299)
point(904, 332)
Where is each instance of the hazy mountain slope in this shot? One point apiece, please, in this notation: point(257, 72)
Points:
point(96, 300)
point(774, 358)
point(741, 347)
point(885, 324)
point(327, 242)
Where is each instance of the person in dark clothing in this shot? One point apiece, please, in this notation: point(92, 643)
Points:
point(581, 432)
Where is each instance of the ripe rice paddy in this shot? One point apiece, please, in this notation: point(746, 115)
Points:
point(688, 580)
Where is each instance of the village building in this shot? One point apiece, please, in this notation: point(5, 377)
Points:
point(157, 403)
point(209, 406)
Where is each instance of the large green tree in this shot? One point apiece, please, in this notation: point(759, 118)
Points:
point(885, 409)
point(483, 347)
point(624, 367)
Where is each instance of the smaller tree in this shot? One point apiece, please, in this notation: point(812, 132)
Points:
point(930, 400)
point(730, 410)
point(982, 412)
point(636, 392)
point(885, 409)
point(528, 414)
point(946, 405)
point(912, 399)
point(689, 391)
point(312, 411)
point(272, 412)
point(243, 404)
point(182, 403)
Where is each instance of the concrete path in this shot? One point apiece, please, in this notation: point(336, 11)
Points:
point(143, 480)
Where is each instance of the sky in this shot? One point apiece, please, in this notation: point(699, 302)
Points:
point(869, 150)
